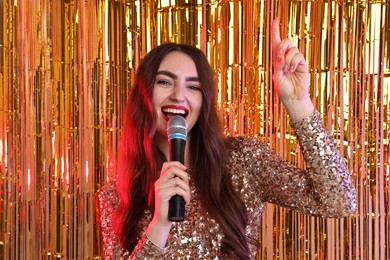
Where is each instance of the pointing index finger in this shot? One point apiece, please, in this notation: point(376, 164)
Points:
point(275, 32)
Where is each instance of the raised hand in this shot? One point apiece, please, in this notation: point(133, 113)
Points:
point(291, 76)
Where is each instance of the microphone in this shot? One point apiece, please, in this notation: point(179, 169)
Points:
point(177, 136)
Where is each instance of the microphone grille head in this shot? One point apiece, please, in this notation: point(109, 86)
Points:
point(177, 128)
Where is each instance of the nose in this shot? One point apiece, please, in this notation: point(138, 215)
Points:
point(178, 93)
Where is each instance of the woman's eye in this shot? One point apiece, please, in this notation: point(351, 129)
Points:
point(195, 88)
point(163, 82)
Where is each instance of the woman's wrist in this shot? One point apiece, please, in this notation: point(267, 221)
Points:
point(298, 109)
point(158, 233)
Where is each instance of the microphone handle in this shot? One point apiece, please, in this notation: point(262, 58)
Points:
point(176, 211)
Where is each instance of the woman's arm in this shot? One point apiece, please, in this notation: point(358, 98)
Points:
point(112, 247)
point(326, 168)
point(323, 188)
point(153, 241)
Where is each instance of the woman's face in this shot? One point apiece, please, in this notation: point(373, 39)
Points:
point(177, 91)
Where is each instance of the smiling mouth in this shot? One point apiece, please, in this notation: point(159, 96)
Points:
point(170, 112)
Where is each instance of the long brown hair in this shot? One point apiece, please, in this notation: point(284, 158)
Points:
point(138, 169)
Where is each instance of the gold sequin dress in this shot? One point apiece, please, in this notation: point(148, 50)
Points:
point(324, 188)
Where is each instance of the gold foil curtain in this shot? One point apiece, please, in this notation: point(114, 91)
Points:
point(65, 71)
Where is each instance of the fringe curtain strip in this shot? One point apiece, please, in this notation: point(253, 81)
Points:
point(66, 68)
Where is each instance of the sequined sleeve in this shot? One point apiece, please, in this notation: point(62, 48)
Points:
point(324, 188)
point(108, 202)
point(113, 249)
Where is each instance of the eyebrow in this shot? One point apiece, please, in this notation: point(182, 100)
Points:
point(174, 76)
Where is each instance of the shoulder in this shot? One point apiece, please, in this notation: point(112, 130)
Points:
point(238, 140)
point(246, 150)
point(246, 162)
point(107, 189)
point(108, 196)
point(243, 144)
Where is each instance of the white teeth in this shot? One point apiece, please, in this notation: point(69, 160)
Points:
point(174, 111)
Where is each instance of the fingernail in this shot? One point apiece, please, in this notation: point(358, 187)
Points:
point(291, 68)
point(280, 58)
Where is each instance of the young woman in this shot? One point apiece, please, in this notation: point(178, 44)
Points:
point(224, 181)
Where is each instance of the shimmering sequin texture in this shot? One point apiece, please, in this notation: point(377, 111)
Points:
point(324, 188)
